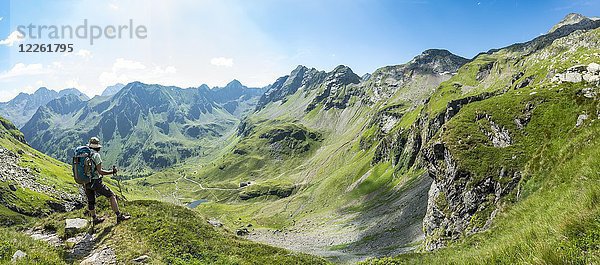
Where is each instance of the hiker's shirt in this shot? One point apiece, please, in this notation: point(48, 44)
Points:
point(97, 161)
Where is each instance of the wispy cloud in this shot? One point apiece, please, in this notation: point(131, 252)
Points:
point(21, 69)
point(124, 64)
point(15, 36)
point(83, 53)
point(125, 71)
point(222, 61)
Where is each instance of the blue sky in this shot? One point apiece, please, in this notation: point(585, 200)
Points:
point(256, 41)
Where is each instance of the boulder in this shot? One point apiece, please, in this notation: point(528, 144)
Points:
point(75, 226)
point(18, 255)
point(580, 68)
point(215, 223)
point(581, 119)
point(593, 68)
point(588, 92)
point(573, 77)
point(242, 232)
point(102, 257)
point(84, 244)
point(591, 78)
point(141, 259)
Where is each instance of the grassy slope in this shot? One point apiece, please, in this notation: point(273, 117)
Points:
point(553, 217)
point(48, 171)
point(557, 218)
point(553, 209)
point(328, 181)
point(168, 233)
point(172, 234)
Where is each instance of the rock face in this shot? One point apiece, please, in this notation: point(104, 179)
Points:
point(111, 90)
point(457, 204)
point(570, 19)
point(499, 136)
point(421, 75)
point(336, 91)
point(300, 78)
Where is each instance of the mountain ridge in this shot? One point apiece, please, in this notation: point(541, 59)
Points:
point(22, 107)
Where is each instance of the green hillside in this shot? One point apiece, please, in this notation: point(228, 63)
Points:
point(32, 184)
point(167, 233)
point(492, 158)
point(528, 151)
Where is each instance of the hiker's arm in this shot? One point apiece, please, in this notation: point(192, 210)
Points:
point(104, 172)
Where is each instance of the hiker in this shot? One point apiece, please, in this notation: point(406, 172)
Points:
point(95, 186)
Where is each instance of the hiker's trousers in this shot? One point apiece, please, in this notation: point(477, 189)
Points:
point(94, 188)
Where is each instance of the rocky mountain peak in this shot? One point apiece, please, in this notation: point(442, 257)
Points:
point(234, 84)
point(74, 92)
point(300, 77)
point(343, 75)
point(21, 108)
point(114, 89)
point(438, 61)
point(570, 19)
point(203, 87)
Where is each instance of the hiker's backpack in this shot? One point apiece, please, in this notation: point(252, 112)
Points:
point(83, 165)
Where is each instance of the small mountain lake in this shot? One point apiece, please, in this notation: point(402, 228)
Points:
point(194, 204)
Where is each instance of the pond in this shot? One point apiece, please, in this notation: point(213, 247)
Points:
point(194, 204)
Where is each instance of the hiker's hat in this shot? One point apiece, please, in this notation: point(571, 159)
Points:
point(94, 142)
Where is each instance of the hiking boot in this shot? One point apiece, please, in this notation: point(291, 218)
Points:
point(97, 220)
point(122, 217)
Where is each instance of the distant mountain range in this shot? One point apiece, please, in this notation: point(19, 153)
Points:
point(20, 109)
point(142, 126)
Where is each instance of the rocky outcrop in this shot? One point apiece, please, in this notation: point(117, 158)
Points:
point(589, 73)
point(498, 135)
point(336, 90)
point(300, 78)
point(7, 129)
point(459, 204)
point(422, 75)
point(26, 178)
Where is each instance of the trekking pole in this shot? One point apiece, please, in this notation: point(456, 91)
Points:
point(119, 184)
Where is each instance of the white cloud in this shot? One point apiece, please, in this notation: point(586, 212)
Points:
point(113, 6)
point(167, 70)
point(21, 69)
point(15, 36)
point(83, 53)
point(74, 83)
point(125, 71)
point(222, 61)
point(1, 18)
point(124, 64)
